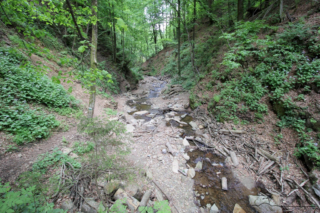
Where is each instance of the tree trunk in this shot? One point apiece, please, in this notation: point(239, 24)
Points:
point(194, 22)
point(281, 11)
point(240, 10)
point(178, 34)
point(229, 14)
point(93, 60)
point(154, 38)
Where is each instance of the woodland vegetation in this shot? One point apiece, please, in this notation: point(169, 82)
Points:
point(255, 58)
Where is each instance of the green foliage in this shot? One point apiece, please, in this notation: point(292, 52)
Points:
point(11, 148)
point(52, 159)
point(24, 200)
point(110, 111)
point(162, 206)
point(82, 148)
point(21, 84)
point(119, 206)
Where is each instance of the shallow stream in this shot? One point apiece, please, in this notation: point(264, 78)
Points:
point(207, 182)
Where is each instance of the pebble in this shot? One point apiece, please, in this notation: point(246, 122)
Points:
point(191, 173)
point(199, 165)
point(164, 151)
point(186, 156)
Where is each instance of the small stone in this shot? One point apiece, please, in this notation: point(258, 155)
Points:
point(130, 128)
point(193, 125)
point(149, 174)
point(198, 166)
point(19, 155)
point(160, 158)
point(66, 150)
point(238, 209)
point(276, 198)
point(185, 142)
point(191, 173)
point(164, 151)
point(214, 209)
point(184, 115)
point(186, 156)
point(202, 197)
point(175, 166)
point(201, 127)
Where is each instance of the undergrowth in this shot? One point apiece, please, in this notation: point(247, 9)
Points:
point(20, 86)
point(260, 68)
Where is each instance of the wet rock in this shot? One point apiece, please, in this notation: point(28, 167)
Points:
point(175, 166)
point(193, 125)
point(191, 173)
point(186, 156)
point(214, 209)
point(141, 113)
point(264, 204)
point(67, 205)
point(130, 128)
point(111, 186)
point(164, 151)
point(198, 166)
point(238, 209)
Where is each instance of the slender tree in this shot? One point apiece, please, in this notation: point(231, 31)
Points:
point(93, 59)
point(240, 10)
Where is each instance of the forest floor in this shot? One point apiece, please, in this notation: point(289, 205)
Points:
point(156, 118)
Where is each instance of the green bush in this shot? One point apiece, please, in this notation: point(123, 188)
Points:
point(82, 148)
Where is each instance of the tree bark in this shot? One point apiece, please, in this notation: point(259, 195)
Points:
point(281, 11)
point(93, 59)
point(240, 10)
